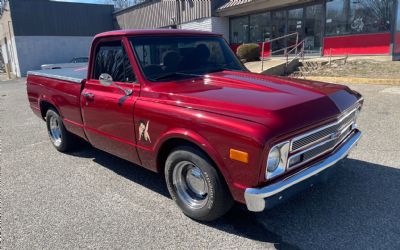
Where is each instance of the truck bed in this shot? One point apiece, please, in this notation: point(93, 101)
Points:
point(60, 88)
point(76, 75)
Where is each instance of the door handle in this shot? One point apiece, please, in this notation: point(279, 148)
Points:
point(88, 95)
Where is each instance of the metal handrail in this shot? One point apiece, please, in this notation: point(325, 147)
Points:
point(296, 45)
point(297, 55)
point(283, 49)
point(281, 37)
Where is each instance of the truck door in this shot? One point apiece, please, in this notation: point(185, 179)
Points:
point(107, 111)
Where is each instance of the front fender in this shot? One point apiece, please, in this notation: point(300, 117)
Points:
point(214, 133)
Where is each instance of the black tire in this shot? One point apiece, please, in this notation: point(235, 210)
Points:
point(219, 200)
point(67, 140)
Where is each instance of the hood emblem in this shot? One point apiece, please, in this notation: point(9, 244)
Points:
point(335, 135)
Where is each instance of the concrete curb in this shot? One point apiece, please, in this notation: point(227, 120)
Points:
point(354, 80)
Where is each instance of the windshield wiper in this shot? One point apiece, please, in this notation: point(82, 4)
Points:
point(221, 69)
point(218, 69)
point(171, 74)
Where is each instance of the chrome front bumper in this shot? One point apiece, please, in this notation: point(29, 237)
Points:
point(257, 198)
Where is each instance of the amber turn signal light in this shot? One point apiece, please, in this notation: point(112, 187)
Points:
point(239, 155)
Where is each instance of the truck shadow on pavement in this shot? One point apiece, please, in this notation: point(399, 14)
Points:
point(358, 208)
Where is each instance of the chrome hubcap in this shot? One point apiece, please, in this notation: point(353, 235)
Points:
point(191, 186)
point(55, 131)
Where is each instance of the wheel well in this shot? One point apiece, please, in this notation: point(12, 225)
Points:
point(170, 145)
point(44, 106)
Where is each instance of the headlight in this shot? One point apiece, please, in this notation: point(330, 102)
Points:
point(277, 160)
point(273, 159)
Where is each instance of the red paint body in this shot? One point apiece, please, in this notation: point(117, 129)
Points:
point(368, 44)
point(217, 112)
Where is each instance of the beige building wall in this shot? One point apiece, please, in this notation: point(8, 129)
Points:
point(162, 13)
point(7, 43)
point(238, 7)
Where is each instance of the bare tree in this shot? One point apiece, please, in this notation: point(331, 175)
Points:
point(122, 4)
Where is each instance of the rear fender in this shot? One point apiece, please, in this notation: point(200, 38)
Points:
point(45, 99)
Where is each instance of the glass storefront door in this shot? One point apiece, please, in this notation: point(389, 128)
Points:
point(295, 24)
point(278, 29)
point(313, 29)
point(240, 30)
point(307, 22)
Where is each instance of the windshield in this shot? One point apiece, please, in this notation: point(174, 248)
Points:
point(164, 58)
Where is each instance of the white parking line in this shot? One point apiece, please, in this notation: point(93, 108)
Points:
point(392, 90)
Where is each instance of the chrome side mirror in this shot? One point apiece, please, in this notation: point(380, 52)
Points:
point(106, 79)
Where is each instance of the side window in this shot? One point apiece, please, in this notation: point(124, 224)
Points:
point(112, 59)
point(129, 75)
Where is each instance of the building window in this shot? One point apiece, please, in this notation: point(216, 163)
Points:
point(295, 25)
point(358, 16)
point(313, 30)
point(260, 30)
point(370, 16)
point(240, 30)
point(278, 29)
point(396, 48)
point(336, 17)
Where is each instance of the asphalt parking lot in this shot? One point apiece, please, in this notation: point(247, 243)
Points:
point(89, 199)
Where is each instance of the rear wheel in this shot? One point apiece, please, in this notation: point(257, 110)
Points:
point(195, 185)
point(61, 139)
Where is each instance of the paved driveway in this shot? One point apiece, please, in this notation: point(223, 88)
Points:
point(94, 200)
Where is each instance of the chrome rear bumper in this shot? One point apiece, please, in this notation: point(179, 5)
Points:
point(256, 198)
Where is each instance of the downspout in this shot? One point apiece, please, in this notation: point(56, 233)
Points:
point(178, 14)
point(12, 49)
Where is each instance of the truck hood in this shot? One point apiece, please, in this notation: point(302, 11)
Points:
point(275, 102)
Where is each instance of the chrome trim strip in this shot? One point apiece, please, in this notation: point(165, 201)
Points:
point(59, 77)
point(354, 109)
point(254, 197)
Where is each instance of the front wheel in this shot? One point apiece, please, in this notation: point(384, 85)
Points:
point(196, 186)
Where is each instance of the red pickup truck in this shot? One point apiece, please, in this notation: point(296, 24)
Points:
point(180, 103)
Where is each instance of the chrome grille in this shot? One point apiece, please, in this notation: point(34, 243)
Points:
point(309, 155)
point(317, 151)
point(309, 146)
point(322, 133)
point(313, 138)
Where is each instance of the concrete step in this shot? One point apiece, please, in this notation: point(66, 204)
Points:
point(297, 74)
point(314, 64)
point(304, 69)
